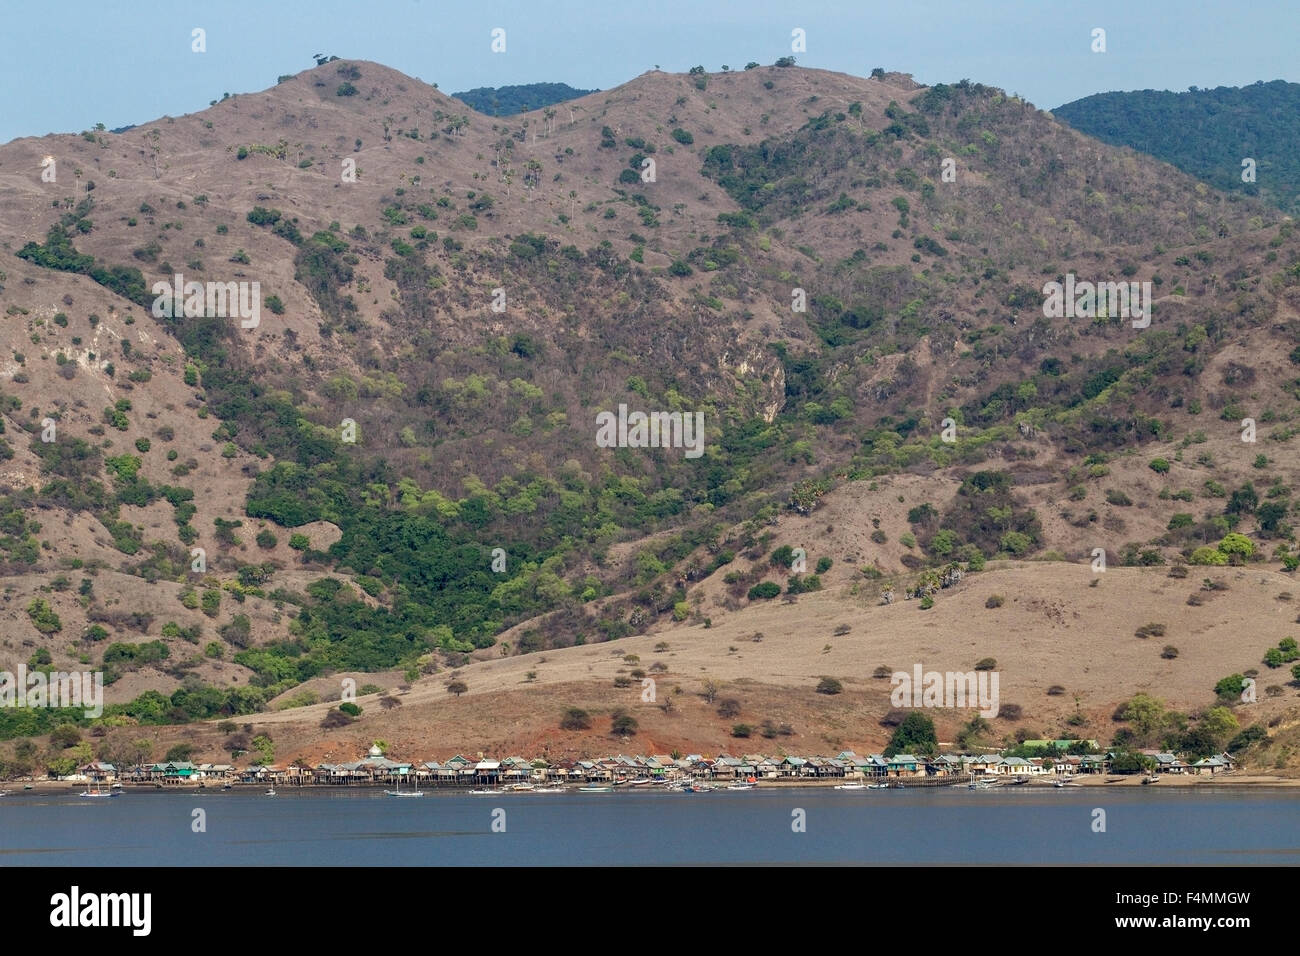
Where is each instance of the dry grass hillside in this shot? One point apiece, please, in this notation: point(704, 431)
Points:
point(383, 219)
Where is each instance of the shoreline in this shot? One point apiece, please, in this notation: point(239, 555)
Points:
point(1096, 780)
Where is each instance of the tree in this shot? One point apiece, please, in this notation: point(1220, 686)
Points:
point(829, 685)
point(575, 718)
point(710, 689)
point(181, 752)
point(730, 707)
point(1230, 687)
point(1220, 724)
point(915, 735)
point(622, 723)
point(65, 736)
point(457, 687)
point(141, 750)
point(1146, 713)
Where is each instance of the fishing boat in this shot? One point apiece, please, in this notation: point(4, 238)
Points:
point(877, 786)
point(98, 791)
point(595, 789)
point(981, 783)
point(742, 786)
point(399, 792)
point(1065, 783)
point(641, 782)
point(850, 786)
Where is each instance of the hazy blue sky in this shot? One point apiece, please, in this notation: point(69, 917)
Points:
point(69, 65)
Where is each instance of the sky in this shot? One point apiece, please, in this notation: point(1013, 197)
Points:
point(69, 65)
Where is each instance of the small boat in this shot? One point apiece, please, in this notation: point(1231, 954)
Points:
point(1065, 783)
point(547, 790)
point(595, 789)
point(483, 793)
point(900, 786)
point(850, 786)
point(1151, 779)
point(742, 786)
point(399, 792)
point(98, 791)
point(228, 786)
point(877, 786)
point(271, 792)
point(641, 782)
point(28, 786)
point(5, 793)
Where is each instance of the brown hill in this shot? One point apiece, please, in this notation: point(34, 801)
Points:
point(924, 302)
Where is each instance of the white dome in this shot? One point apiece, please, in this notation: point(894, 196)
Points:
point(375, 751)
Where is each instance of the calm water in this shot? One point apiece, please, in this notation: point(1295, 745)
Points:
point(360, 828)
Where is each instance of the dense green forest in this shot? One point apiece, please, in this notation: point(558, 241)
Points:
point(1207, 133)
point(509, 100)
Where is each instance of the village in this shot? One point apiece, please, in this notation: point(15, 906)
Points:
point(377, 769)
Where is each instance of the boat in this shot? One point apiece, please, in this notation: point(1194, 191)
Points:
point(98, 791)
point(850, 786)
point(547, 790)
point(981, 783)
point(399, 792)
point(595, 789)
point(742, 786)
point(1151, 779)
point(877, 786)
point(5, 793)
point(642, 782)
point(483, 793)
point(271, 792)
point(1065, 783)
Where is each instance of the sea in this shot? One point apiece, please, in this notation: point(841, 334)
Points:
point(322, 827)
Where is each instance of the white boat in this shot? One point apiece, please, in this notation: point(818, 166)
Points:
point(483, 793)
point(850, 786)
point(271, 792)
point(595, 789)
point(877, 786)
point(1065, 783)
point(742, 786)
point(399, 792)
point(98, 791)
point(547, 790)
